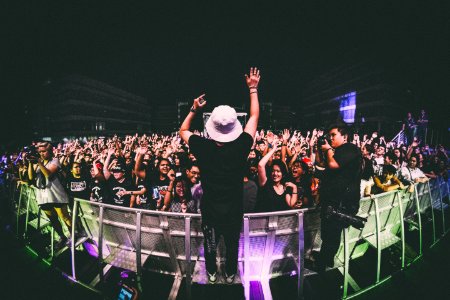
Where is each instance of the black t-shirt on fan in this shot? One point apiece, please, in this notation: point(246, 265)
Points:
point(99, 191)
point(115, 187)
point(77, 187)
point(342, 185)
point(223, 169)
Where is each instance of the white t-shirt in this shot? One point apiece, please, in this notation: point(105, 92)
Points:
point(408, 174)
point(50, 190)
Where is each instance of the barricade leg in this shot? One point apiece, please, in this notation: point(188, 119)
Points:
point(346, 263)
point(419, 219)
point(432, 214)
point(301, 255)
point(187, 249)
point(378, 238)
point(444, 230)
point(100, 244)
point(402, 227)
point(72, 246)
point(138, 250)
point(18, 209)
point(247, 257)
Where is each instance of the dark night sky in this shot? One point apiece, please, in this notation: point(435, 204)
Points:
point(173, 51)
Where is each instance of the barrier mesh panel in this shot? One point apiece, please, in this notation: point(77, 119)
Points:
point(309, 239)
point(435, 193)
point(90, 218)
point(409, 204)
point(366, 206)
point(311, 220)
point(388, 216)
point(258, 224)
point(119, 216)
point(424, 197)
point(116, 235)
point(367, 209)
point(287, 222)
point(153, 242)
point(132, 237)
point(257, 246)
point(196, 225)
point(444, 188)
point(149, 220)
point(176, 224)
point(23, 201)
point(178, 245)
point(286, 244)
point(241, 248)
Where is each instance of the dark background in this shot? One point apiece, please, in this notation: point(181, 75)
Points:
point(176, 51)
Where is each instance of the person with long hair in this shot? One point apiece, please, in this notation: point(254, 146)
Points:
point(276, 193)
point(178, 197)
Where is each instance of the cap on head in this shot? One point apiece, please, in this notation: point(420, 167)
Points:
point(118, 168)
point(223, 124)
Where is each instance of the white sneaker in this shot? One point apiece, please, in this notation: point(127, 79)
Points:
point(229, 279)
point(212, 278)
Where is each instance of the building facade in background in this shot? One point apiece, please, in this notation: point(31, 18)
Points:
point(77, 106)
point(361, 94)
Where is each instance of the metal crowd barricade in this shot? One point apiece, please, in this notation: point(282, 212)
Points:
point(172, 243)
point(385, 227)
point(272, 244)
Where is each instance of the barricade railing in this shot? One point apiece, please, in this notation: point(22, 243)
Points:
point(271, 244)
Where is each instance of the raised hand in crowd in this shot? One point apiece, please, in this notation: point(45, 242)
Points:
point(253, 79)
point(170, 190)
point(270, 137)
point(286, 135)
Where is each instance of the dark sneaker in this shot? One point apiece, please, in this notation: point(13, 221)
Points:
point(212, 278)
point(229, 279)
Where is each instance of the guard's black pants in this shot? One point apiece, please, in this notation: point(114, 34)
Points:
point(330, 232)
point(231, 234)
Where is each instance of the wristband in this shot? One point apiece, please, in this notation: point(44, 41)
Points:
point(253, 87)
point(255, 92)
point(193, 109)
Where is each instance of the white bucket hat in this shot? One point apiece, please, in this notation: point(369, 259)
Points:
point(223, 125)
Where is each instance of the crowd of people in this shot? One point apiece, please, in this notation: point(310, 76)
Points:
point(328, 168)
point(158, 172)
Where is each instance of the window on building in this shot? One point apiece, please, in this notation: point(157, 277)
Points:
point(100, 126)
point(347, 107)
